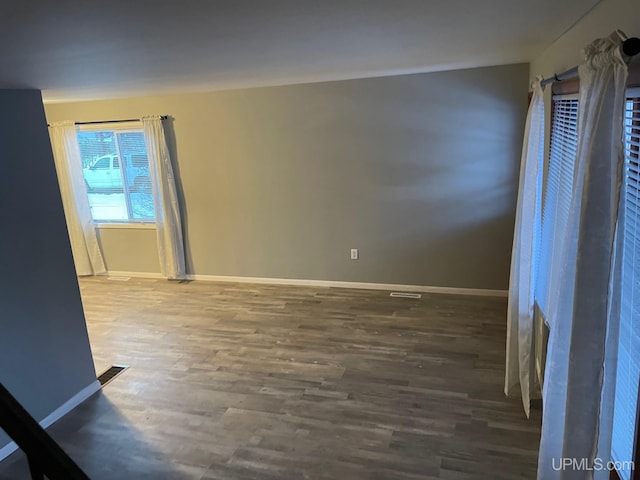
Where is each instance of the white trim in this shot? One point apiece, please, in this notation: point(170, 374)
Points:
point(357, 285)
point(483, 292)
point(57, 414)
point(7, 450)
point(116, 273)
point(70, 404)
point(126, 225)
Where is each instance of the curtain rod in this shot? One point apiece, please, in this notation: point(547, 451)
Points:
point(162, 117)
point(630, 47)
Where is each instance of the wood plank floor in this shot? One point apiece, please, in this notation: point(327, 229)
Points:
point(231, 381)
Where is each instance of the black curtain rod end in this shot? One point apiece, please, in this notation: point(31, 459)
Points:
point(631, 46)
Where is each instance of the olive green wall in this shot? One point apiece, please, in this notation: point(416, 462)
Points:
point(129, 250)
point(417, 171)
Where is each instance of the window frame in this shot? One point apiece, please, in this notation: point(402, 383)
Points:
point(632, 93)
point(572, 87)
point(119, 127)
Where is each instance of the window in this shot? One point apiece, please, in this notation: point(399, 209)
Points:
point(628, 370)
point(557, 194)
point(116, 172)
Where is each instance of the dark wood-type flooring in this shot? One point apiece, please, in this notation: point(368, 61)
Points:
point(230, 381)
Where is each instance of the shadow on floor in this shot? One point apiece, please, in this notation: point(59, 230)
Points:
point(105, 445)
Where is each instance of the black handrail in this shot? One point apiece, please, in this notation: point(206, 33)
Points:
point(45, 456)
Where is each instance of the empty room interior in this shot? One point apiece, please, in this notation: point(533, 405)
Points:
point(320, 240)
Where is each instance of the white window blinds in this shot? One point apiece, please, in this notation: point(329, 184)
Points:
point(557, 194)
point(628, 371)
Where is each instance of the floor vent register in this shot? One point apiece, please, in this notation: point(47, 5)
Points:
point(111, 373)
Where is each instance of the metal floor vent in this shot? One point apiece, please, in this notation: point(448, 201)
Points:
point(405, 295)
point(119, 279)
point(111, 373)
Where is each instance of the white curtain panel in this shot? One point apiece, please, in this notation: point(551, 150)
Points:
point(82, 232)
point(577, 413)
point(165, 199)
point(520, 362)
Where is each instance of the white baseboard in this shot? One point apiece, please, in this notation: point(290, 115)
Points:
point(7, 450)
point(325, 283)
point(357, 285)
point(117, 273)
point(57, 414)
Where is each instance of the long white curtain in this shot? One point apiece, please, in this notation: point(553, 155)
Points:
point(520, 364)
point(165, 200)
point(579, 386)
point(82, 232)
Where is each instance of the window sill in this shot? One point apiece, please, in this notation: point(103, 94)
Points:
point(126, 226)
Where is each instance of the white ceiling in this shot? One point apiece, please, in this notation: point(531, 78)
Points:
point(86, 49)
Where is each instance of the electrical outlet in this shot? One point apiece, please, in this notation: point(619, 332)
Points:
point(354, 254)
